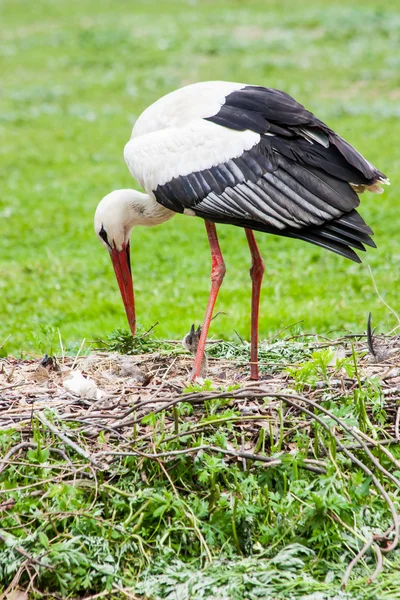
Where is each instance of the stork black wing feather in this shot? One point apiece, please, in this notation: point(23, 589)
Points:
point(311, 236)
point(273, 105)
point(296, 182)
point(233, 118)
point(252, 106)
point(281, 197)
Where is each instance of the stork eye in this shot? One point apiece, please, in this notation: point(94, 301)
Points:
point(103, 235)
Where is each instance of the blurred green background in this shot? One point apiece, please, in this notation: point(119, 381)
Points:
point(74, 77)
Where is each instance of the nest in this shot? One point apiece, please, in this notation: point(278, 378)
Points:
point(144, 383)
point(112, 393)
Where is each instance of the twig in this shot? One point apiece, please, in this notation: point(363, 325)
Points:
point(377, 444)
point(61, 345)
point(124, 591)
point(308, 465)
point(15, 385)
point(397, 425)
point(64, 438)
point(14, 450)
point(379, 563)
point(31, 446)
point(282, 330)
point(5, 341)
point(29, 557)
point(99, 595)
point(370, 340)
point(355, 560)
point(78, 353)
point(41, 482)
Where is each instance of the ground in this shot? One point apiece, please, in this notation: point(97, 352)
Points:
point(125, 480)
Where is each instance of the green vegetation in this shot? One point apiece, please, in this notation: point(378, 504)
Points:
point(75, 75)
point(212, 497)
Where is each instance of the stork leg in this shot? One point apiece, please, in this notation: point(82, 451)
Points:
point(256, 273)
point(217, 275)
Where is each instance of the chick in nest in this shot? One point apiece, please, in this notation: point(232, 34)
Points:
point(190, 342)
point(378, 350)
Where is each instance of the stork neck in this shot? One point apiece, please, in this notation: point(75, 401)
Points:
point(145, 210)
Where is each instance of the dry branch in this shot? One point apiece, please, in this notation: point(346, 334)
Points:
point(64, 438)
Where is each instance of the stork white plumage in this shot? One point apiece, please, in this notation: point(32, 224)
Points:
point(244, 155)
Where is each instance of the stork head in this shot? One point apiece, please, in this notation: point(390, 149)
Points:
point(115, 216)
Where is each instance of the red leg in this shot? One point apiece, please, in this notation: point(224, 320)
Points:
point(217, 275)
point(256, 274)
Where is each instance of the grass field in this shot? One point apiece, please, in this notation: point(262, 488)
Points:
point(121, 497)
point(74, 78)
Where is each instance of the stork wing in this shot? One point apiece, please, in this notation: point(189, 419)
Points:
point(262, 162)
point(268, 110)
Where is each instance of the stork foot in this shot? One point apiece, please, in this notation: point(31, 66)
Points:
point(254, 375)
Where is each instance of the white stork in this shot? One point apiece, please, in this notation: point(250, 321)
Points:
point(245, 155)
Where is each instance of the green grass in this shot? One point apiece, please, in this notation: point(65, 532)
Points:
point(76, 75)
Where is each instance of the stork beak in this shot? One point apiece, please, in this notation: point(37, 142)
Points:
point(122, 266)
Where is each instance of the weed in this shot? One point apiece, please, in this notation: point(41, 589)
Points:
point(144, 342)
point(323, 364)
point(206, 386)
point(46, 339)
